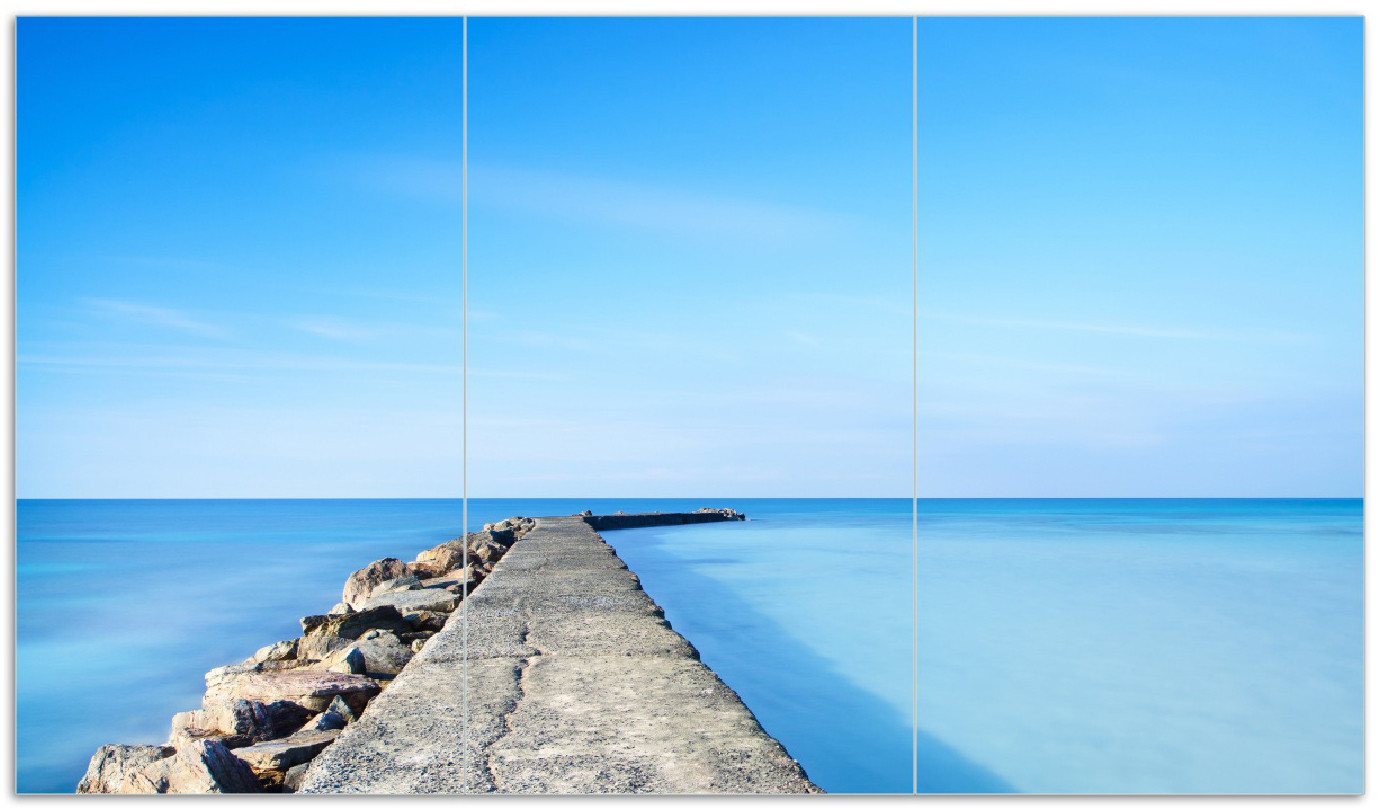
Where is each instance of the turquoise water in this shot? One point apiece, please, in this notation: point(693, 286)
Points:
point(1124, 646)
point(124, 605)
point(1065, 646)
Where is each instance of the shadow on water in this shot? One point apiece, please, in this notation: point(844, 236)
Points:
point(848, 739)
point(943, 769)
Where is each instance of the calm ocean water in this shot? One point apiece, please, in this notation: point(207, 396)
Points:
point(1065, 645)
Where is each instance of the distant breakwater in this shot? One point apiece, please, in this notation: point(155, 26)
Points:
point(265, 719)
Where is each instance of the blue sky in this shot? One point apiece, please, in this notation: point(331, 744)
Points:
point(229, 281)
point(1140, 257)
point(239, 244)
point(690, 257)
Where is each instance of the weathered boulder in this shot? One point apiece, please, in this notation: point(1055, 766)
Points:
point(362, 583)
point(312, 689)
point(262, 666)
point(438, 560)
point(432, 599)
point(487, 549)
point(483, 548)
point(348, 660)
point(254, 719)
point(199, 766)
point(202, 766)
point(112, 766)
point(270, 761)
point(324, 634)
point(277, 651)
point(202, 725)
point(380, 655)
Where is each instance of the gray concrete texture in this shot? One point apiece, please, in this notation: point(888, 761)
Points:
point(573, 683)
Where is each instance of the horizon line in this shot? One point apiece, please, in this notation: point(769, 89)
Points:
point(712, 498)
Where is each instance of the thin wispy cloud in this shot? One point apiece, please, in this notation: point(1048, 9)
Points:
point(266, 361)
point(334, 329)
point(156, 316)
point(439, 180)
point(1123, 330)
point(621, 203)
point(606, 201)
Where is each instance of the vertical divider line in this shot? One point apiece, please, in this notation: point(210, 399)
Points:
point(465, 398)
point(915, 403)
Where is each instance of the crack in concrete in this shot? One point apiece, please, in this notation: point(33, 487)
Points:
point(520, 670)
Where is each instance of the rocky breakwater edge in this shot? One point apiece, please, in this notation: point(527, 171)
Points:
point(263, 719)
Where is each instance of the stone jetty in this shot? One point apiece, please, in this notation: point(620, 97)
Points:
point(541, 667)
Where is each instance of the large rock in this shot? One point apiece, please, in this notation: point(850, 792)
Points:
point(112, 766)
point(254, 719)
point(278, 651)
point(488, 548)
point(441, 559)
point(431, 599)
point(270, 761)
point(324, 634)
point(312, 689)
point(348, 660)
point(362, 583)
point(203, 725)
point(262, 666)
point(199, 766)
point(379, 655)
point(481, 549)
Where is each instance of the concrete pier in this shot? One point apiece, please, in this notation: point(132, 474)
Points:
point(558, 675)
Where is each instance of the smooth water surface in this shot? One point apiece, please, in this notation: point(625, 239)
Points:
point(1065, 646)
point(1124, 646)
point(123, 605)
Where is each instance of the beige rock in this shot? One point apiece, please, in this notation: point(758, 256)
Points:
point(202, 725)
point(270, 761)
point(432, 599)
point(253, 719)
point(199, 766)
point(324, 634)
point(112, 766)
point(312, 689)
point(440, 559)
point(348, 660)
point(183, 721)
point(262, 666)
point(362, 583)
point(277, 651)
point(382, 655)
